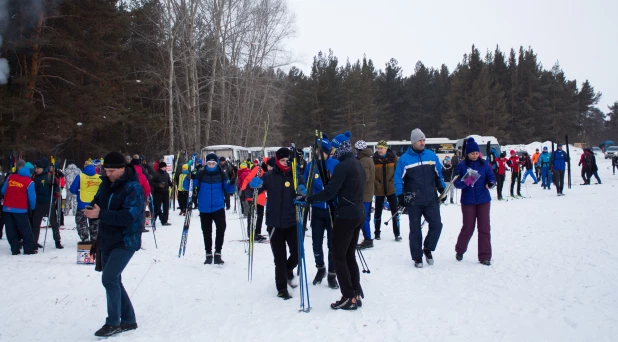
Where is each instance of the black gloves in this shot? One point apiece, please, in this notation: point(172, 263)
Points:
point(491, 185)
point(441, 191)
point(96, 256)
point(59, 174)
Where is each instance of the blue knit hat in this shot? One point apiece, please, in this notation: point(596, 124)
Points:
point(325, 143)
point(339, 139)
point(544, 148)
point(472, 146)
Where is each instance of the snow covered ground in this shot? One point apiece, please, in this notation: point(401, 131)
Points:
point(553, 278)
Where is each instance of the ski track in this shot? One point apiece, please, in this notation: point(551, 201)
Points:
point(552, 277)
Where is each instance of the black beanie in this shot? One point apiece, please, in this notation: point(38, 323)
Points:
point(283, 152)
point(134, 162)
point(114, 160)
point(211, 157)
point(271, 162)
point(162, 165)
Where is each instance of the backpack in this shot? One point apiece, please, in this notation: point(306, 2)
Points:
point(588, 160)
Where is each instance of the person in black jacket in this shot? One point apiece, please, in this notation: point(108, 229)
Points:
point(447, 174)
point(44, 184)
point(161, 183)
point(281, 217)
point(119, 206)
point(347, 187)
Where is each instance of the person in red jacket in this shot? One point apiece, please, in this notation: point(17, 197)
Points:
point(243, 171)
point(513, 163)
point(19, 197)
point(501, 173)
point(261, 202)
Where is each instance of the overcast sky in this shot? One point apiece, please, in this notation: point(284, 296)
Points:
point(582, 35)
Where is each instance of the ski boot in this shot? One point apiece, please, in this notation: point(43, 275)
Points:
point(332, 281)
point(428, 256)
point(218, 260)
point(345, 304)
point(320, 275)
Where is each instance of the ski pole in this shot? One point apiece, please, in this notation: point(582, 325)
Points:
point(361, 257)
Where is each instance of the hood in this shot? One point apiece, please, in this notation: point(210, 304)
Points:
point(367, 152)
point(90, 170)
point(24, 171)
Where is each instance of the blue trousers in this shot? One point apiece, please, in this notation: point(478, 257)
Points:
point(367, 224)
point(431, 212)
point(320, 222)
point(546, 177)
point(119, 307)
point(531, 173)
point(19, 225)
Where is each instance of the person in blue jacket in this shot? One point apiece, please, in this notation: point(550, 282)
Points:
point(211, 183)
point(85, 187)
point(475, 202)
point(418, 180)
point(558, 161)
point(320, 215)
point(544, 163)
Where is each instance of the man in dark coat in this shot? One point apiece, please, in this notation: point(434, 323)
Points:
point(161, 183)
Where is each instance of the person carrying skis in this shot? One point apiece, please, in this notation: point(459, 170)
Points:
point(384, 187)
point(281, 218)
point(119, 207)
point(211, 188)
point(321, 220)
point(529, 165)
point(19, 197)
point(346, 188)
point(535, 163)
point(243, 171)
point(513, 163)
point(585, 161)
point(544, 163)
point(44, 200)
point(558, 162)
point(500, 173)
point(364, 155)
point(475, 202)
point(418, 181)
point(261, 202)
point(183, 193)
point(85, 187)
point(447, 174)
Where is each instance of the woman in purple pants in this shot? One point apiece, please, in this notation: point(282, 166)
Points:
point(475, 179)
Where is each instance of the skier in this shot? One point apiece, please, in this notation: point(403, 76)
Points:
point(447, 174)
point(161, 184)
point(281, 218)
point(614, 163)
point(500, 173)
point(320, 214)
point(44, 200)
point(364, 155)
point(119, 207)
point(183, 193)
point(384, 187)
point(526, 162)
point(418, 180)
point(346, 187)
point(535, 163)
point(585, 161)
point(242, 174)
point(475, 202)
point(544, 163)
point(558, 164)
point(70, 173)
point(231, 176)
point(85, 187)
point(261, 202)
point(513, 163)
point(211, 187)
point(19, 197)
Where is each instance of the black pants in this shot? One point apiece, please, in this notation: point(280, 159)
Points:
point(18, 226)
point(586, 175)
point(283, 263)
point(537, 172)
point(161, 198)
point(559, 180)
point(42, 210)
point(377, 216)
point(1, 222)
point(227, 200)
point(320, 223)
point(500, 180)
point(183, 197)
point(258, 222)
point(345, 239)
point(431, 213)
point(206, 219)
point(516, 178)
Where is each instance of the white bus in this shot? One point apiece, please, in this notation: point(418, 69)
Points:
point(233, 152)
point(482, 141)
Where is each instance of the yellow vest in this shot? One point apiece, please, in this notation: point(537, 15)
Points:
point(88, 187)
point(181, 181)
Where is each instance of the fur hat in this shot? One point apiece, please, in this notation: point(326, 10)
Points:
point(283, 152)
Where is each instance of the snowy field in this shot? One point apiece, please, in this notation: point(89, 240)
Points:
point(553, 278)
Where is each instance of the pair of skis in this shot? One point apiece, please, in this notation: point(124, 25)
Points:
point(253, 213)
point(185, 227)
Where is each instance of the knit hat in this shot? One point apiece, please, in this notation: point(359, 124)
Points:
point(29, 166)
point(382, 143)
point(360, 145)
point(162, 165)
point(114, 160)
point(325, 143)
point(283, 152)
point(271, 162)
point(211, 157)
point(512, 152)
point(339, 139)
point(243, 166)
point(222, 159)
point(344, 148)
point(38, 164)
point(559, 145)
point(255, 161)
point(471, 146)
point(416, 135)
point(447, 159)
point(185, 167)
point(544, 148)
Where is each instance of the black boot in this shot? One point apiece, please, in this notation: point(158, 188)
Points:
point(486, 262)
point(218, 260)
point(319, 276)
point(367, 243)
point(59, 245)
point(418, 263)
point(459, 257)
point(208, 259)
point(284, 294)
point(108, 330)
point(428, 256)
point(377, 234)
point(127, 326)
point(332, 281)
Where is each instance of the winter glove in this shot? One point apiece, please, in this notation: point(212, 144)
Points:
point(401, 201)
point(301, 200)
point(302, 190)
point(256, 183)
point(59, 174)
point(491, 185)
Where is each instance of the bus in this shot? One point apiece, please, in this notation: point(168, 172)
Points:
point(482, 141)
point(440, 146)
point(235, 153)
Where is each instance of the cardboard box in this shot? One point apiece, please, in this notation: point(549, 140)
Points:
point(83, 253)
